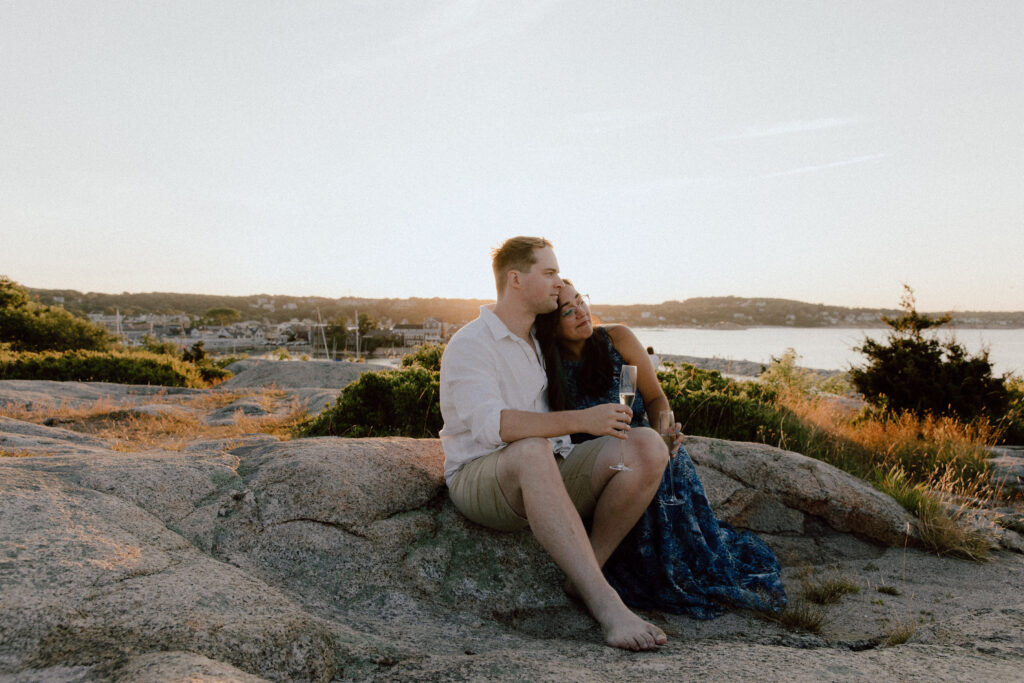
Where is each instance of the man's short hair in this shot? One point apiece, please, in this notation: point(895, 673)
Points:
point(515, 254)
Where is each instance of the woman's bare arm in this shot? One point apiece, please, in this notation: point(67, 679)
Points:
point(633, 352)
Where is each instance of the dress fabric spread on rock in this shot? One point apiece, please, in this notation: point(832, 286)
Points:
point(680, 558)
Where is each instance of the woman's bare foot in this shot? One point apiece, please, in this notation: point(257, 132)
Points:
point(633, 633)
point(624, 629)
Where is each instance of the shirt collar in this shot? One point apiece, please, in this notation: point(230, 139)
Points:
point(498, 328)
point(494, 324)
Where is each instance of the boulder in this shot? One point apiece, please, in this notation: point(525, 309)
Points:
point(1008, 470)
point(91, 580)
point(773, 490)
point(31, 394)
point(344, 559)
point(18, 435)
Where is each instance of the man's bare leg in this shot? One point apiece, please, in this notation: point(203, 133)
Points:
point(623, 496)
point(530, 481)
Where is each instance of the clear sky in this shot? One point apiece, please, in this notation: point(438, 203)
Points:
point(824, 150)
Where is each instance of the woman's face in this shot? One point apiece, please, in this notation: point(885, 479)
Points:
point(574, 323)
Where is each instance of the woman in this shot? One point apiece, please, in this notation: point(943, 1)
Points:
point(678, 558)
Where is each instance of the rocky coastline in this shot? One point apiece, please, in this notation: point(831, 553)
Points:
point(320, 559)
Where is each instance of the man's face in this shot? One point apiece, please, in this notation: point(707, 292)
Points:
point(540, 285)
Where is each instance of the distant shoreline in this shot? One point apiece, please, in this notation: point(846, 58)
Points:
point(742, 368)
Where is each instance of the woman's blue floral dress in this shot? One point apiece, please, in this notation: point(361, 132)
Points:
point(680, 558)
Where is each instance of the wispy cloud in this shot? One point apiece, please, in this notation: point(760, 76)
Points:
point(662, 186)
point(431, 32)
point(822, 167)
point(610, 120)
point(785, 128)
point(461, 25)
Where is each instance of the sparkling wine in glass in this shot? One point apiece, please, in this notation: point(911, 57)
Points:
point(627, 392)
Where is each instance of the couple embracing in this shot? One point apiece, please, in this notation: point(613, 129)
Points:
point(531, 431)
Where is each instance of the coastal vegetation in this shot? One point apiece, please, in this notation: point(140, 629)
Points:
point(43, 342)
point(134, 367)
point(924, 375)
point(26, 325)
point(402, 402)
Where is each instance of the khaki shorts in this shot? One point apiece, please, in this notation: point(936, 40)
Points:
point(476, 493)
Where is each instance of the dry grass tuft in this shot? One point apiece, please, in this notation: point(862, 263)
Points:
point(799, 615)
point(900, 631)
point(943, 533)
point(925, 463)
point(941, 529)
point(58, 414)
point(5, 453)
point(828, 590)
point(889, 590)
point(128, 430)
point(922, 446)
point(1011, 523)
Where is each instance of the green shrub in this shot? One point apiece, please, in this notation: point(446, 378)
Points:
point(708, 404)
point(224, 361)
point(137, 367)
point(402, 402)
point(154, 345)
point(195, 353)
point(426, 356)
point(783, 375)
point(213, 374)
point(1012, 423)
point(28, 326)
point(924, 375)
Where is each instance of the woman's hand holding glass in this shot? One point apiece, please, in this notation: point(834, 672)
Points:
point(672, 434)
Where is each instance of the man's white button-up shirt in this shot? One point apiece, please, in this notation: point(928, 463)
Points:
point(486, 369)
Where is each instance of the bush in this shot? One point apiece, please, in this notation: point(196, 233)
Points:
point(923, 375)
point(426, 356)
point(708, 404)
point(28, 326)
point(193, 354)
point(402, 402)
point(1012, 423)
point(784, 376)
point(154, 345)
point(138, 367)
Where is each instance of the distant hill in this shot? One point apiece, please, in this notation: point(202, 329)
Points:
point(720, 311)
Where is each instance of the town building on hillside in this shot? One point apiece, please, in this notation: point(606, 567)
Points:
point(430, 331)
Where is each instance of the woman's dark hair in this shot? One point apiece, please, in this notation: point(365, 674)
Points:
point(595, 369)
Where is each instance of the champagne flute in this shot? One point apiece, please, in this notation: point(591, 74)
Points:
point(665, 424)
point(627, 391)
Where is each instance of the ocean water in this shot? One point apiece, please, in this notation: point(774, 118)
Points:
point(827, 348)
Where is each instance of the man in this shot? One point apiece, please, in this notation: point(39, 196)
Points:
point(509, 462)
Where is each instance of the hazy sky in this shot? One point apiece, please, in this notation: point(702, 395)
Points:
point(826, 151)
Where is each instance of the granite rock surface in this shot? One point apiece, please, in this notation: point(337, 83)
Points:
point(343, 559)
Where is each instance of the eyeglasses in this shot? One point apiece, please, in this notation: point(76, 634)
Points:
point(582, 304)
